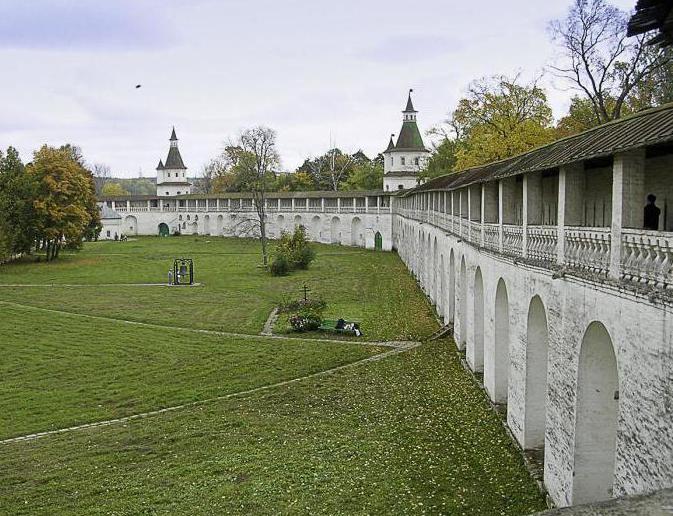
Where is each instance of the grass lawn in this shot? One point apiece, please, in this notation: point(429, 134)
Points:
point(408, 434)
point(236, 296)
point(61, 370)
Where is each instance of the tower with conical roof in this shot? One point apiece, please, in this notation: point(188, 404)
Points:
point(405, 159)
point(172, 175)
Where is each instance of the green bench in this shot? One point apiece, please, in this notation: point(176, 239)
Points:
point(331, 326)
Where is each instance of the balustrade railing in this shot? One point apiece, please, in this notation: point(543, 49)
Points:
point(512, 240)
point(542, 242)
point(647, 257)
point(492, 237)
point(588, 249)
point(474, 232)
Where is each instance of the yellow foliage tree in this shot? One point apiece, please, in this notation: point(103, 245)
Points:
point(64, 202)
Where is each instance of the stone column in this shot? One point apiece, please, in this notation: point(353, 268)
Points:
point(292, 201)
point(366, 204)
point(628, 200)
point(570, 202)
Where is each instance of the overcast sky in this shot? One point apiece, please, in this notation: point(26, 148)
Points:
point(307, 68)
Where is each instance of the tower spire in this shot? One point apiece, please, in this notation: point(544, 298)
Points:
point(410, 105)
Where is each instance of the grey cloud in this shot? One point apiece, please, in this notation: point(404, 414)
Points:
point(410, 47)
point(82, 25)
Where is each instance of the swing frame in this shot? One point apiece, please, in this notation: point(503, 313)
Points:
point(181, 279)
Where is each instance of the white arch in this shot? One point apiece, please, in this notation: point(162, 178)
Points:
point(130, 227)
point(280, 222)
point(297, 221)
point(433, 273)
point(596, 414)
point(315, 228)
point(537, 349)
point(462, 311)
point(478, 323)
point(206, 225)
point(334, 231)
point(219, 223)
point(452, 287)
point(500, 381)
point(356, 232)
point(442, 285)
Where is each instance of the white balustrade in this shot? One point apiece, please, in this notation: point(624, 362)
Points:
point(588, 249)
point(492, 237)
point(512, 240)
point(542, 243)
point(647, 257)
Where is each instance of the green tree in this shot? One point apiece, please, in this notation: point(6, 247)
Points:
point(112, 189)
point(17, 192)
point(294, 182)
point(443, 158)
point(64, 201)
point(365, 175)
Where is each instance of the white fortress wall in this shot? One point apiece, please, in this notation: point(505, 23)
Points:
point(346, 219)
point(566, 307)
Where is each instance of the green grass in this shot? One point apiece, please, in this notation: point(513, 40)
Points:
point(408, 434)
point(61, 370)
point(236, 296)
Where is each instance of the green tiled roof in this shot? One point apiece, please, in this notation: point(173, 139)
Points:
point(410, 137)
point(174, 160)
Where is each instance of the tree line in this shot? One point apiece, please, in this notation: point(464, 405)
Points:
point(47, 204)
point(611, 76)
point(334, 170)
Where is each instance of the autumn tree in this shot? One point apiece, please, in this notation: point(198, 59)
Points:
point(111, 189)
point(609, 69)
point(64, 200)
point(498, 118)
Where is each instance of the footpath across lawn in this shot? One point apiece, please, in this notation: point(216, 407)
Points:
point(237, 296)
point(410, 434)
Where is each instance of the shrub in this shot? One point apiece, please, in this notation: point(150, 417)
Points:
point(279, 265)
point(294, 249)
point(304, 323)
point(306, 319)
point(316, 304)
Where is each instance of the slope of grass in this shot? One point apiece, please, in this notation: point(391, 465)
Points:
point(62, 370)
point(371, 287)
point(410, 434)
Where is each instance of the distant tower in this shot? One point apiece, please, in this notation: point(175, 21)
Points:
point(172, 176)
point(406, 158)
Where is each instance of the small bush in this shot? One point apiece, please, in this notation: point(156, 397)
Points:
point(295, 250)
point(304, 323)
point(279, 265)
point(317, 304)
